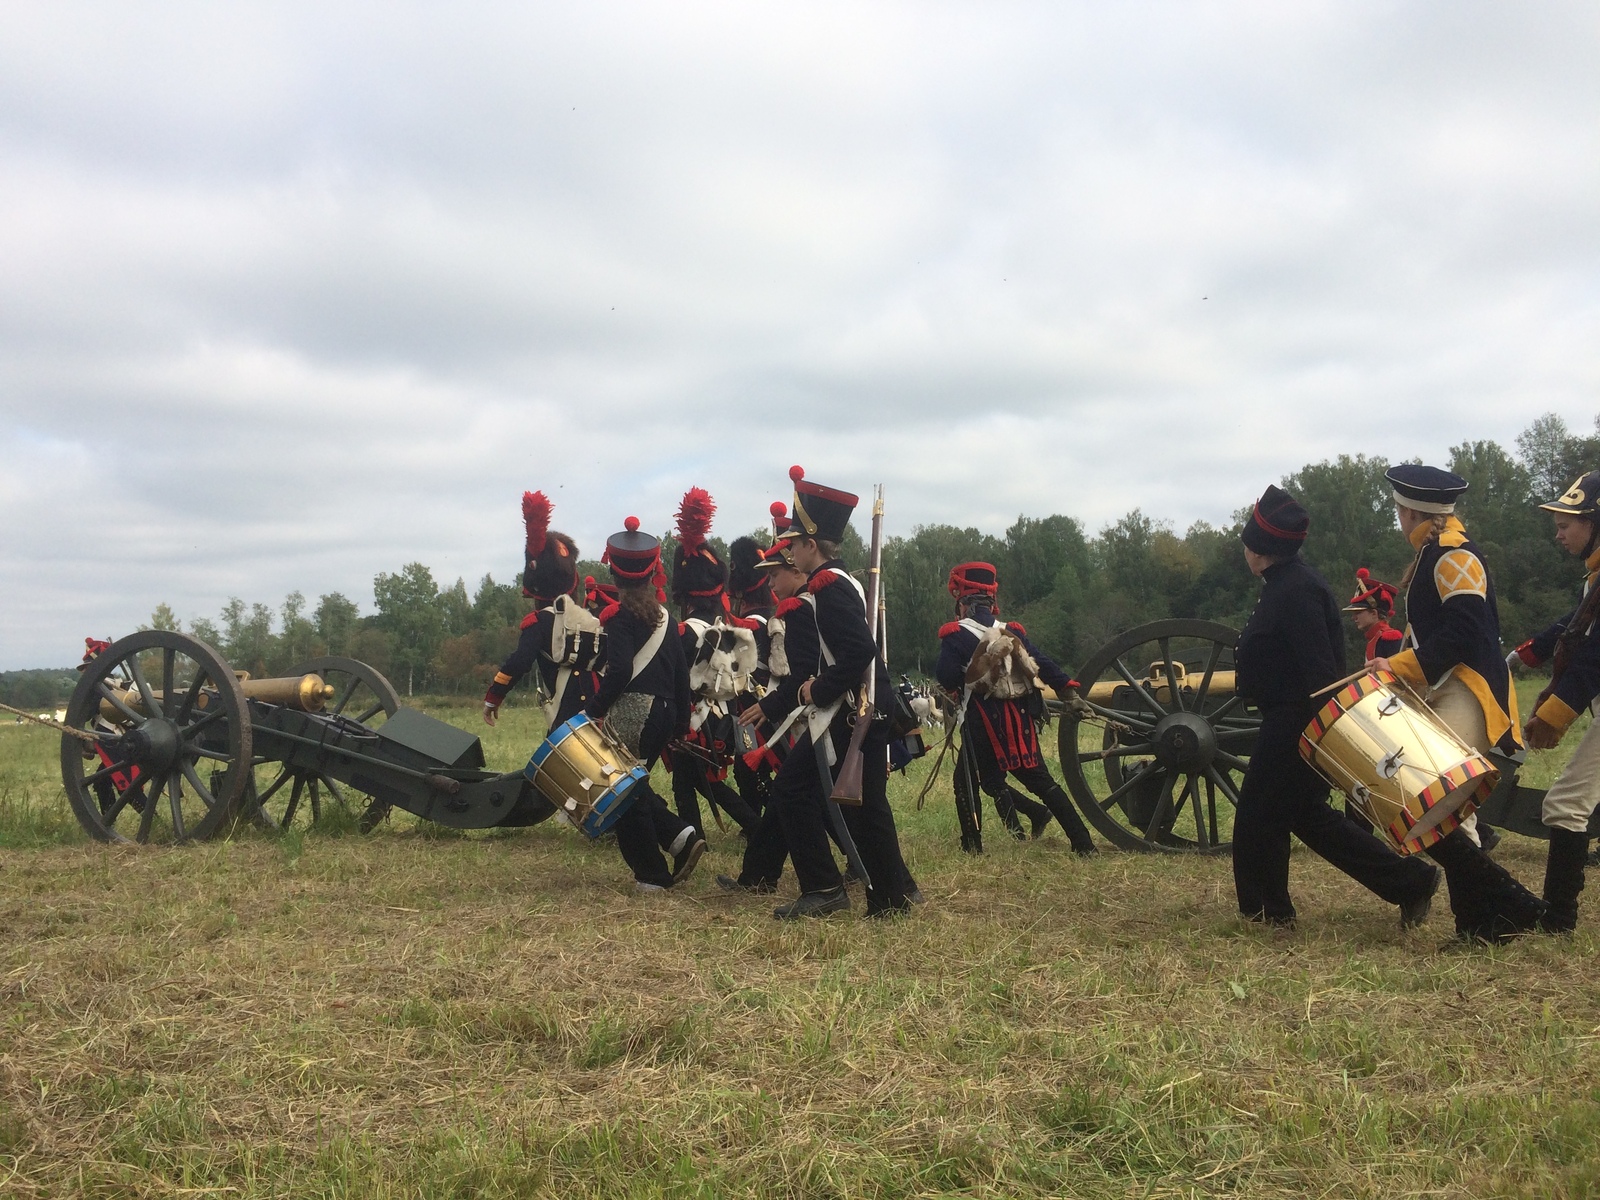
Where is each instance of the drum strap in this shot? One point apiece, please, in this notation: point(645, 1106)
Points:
point(641, 660)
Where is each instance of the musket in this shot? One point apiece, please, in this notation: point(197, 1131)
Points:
point(847, 787)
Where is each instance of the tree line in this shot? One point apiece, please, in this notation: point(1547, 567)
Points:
point(1073, 591)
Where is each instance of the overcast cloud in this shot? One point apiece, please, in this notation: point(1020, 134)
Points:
point(290, 295)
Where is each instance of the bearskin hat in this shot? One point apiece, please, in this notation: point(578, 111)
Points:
point(745, 579)
point(696, 569)
point(550, 566)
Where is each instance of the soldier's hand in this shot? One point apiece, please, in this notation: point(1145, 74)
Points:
point(753, 716)
point(1514, 662)
point(805, 692)
point(1380, 664)
point(1540, 734)
point(491, 713)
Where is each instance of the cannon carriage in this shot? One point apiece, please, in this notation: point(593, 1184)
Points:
point(164, 742)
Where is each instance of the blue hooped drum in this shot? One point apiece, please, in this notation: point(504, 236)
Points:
point(587, 773)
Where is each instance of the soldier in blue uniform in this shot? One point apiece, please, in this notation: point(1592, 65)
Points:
point(845, 650)
point(1454, 661)
point(699, 579)
point(1573, 650)
point(1292, 646)
point(645, 695)
point(567, 675)
point(1000, 726)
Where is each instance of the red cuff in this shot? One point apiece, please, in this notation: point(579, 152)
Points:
point(1526, 654)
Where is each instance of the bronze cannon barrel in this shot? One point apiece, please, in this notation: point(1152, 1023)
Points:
point(307, 693)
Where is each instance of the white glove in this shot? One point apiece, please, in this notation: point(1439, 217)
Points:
point(1514, 662)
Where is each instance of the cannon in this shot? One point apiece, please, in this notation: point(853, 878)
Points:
point(164, 743)
point(1155, 756)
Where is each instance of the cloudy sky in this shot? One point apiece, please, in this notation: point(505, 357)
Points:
point(290, 295)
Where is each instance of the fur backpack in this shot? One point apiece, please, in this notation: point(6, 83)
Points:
point(1001, 667)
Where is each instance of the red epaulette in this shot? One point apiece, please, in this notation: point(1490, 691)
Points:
point(532, 619)
point(608, 612)
point(948, 628)
point(821, 580)
point(1016, 628)
point(785, 607)
point(741, 622)
point(683, 628)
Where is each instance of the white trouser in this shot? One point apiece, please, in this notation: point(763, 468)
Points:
point(1573, 796)
point(1454, 704)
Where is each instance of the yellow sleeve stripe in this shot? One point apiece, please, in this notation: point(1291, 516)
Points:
point(502, 678)
point(1406, 666)
point(1557, 712)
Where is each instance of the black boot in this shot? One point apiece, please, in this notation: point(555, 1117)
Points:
point(1563, 879)
point(1061, 808)
point(1488, 903)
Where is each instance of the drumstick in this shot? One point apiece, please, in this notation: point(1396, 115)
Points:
point(1339, 683)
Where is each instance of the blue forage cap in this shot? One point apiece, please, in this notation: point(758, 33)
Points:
point(1426, 489)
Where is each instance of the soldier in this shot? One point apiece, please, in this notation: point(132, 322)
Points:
point(721, 651)
point(1373, 606)
point(1454, 661)
point(845, 650)
point(750, 591)
point(996, 671)
point(644, 695)
point(560, 637)
point(1572, 648)
point(1293, 645)
point(597, 596)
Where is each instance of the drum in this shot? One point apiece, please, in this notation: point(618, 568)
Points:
point(1402, 767)
point(587, 773)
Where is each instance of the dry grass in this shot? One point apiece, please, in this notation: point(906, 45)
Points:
point(417, 1015)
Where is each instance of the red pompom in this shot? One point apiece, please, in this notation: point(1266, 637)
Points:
point(631, 524)
point(1363, 574)
point(797, 473)
point(779, 509)
point(694, 519)
point(588, 583)
point(536, 519)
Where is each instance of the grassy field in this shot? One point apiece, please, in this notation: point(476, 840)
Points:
point(420, 1014)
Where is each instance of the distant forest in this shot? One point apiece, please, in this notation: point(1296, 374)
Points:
point(1072, 591)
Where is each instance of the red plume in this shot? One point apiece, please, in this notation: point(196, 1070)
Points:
point(536, 517)
point(694, 519)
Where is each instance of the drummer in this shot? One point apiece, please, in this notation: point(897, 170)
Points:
point(1292, 646)
point(645, 693)
point(1454, 661)
point(1573, 650)
point(1373, 607)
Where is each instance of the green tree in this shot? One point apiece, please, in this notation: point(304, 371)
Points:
point(164, 618)
point(409, 610)
point(298, 640)
point(335, 621)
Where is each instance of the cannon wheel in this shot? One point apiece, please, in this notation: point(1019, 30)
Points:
point(1158, 765)
point(188, 715)
point(361, 694)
